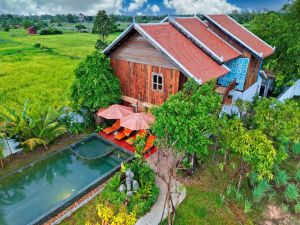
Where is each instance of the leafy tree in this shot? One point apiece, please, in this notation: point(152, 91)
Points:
point(44, 128)
point(95, 85)
point(281, 29)
point(103, 24)
point(189, 117)
point(70, 18)
point(27, 23)
point(31, 129)
point(278, 121)
point(80, 27)
point(253, 149)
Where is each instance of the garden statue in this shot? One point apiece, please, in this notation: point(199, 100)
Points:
point(135, 185)
point(131, 184)
point(129, 178)
point(122, 188)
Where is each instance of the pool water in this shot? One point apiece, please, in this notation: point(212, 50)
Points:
point(48, 184)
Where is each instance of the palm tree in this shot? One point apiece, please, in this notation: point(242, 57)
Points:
point(44, 128)
point(31, 129)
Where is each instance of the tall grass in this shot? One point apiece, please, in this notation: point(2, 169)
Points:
point(41, 75)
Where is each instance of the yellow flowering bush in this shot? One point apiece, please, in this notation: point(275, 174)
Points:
point(109, 216)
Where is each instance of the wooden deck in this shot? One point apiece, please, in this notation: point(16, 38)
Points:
point(126, 146)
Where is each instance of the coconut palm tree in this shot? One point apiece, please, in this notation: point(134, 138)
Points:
point(31, 129)
point(44, 128)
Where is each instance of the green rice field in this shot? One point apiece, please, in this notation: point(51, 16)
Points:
point(41, 75)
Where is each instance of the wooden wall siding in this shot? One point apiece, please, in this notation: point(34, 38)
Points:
point(137, 49)
point(254, 63)
point(252, 72)
point(136, 80)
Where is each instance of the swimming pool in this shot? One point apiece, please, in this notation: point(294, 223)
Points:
point(42, 190)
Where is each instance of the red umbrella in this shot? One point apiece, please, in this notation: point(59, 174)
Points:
point(115, 112)
point(137, 121)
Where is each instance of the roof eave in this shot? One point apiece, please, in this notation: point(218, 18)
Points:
point(196, 41)
point(182, 68)
point(108, 49)
point(252, 51)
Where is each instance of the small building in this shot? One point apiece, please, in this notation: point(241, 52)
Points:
point(32, 30)
point(81, 18)
point(153, 61)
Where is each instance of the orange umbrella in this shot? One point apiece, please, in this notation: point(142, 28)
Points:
point(137, 121)
point(115, 112)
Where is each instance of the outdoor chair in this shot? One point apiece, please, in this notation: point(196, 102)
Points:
point(149, 143)
point(116, 126)
point(131, 140)
point(124, 133)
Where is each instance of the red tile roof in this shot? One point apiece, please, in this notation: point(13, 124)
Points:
point(241, 33)
point(199, 30)
point(184, 51)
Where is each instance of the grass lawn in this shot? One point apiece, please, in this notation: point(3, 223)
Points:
point(42, 75)
point(204, 205)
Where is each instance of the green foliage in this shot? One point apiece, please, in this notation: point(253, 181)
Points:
point(143, 199)
point(247, 206)
point(37, 45)
point(251, 146)
point(139, 145)
point(189, 117)
point(100, 44)
point(281, 178)
point(95, 86)
point(297, 176)
point(291, 193)
point(296, 149)
point(103, 24)
point(260, 190)
point(32, 129)
point(281, 29)
point(80, 27)
point(50, 31)
point(277, 120)
point(297, 208)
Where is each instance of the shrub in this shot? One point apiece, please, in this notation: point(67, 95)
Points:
point(37, 45)
point(296, 149)
point(50, 31)
point(95, 85)
point(260, 191)
point(281, 178)
point(291, 193)
point(297, 176)
point(100, 45)
point(297, 208)
point(113, 215)
point(143, 199)
point(247, 206)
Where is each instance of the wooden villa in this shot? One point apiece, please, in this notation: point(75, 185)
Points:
point(153, 61)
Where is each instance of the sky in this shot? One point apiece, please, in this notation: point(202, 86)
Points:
point(135, 7)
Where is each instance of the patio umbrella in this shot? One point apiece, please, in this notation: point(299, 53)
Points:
point(137, 121)
point(115, 112)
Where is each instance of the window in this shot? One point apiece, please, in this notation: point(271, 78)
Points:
point(157, 82)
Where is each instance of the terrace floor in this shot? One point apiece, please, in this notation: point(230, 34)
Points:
point(125, 145)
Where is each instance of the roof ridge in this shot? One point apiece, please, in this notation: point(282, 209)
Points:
point(218, 36)
point(198, 42)
point(148, 36)
point(249, 32)
point(260, 55)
